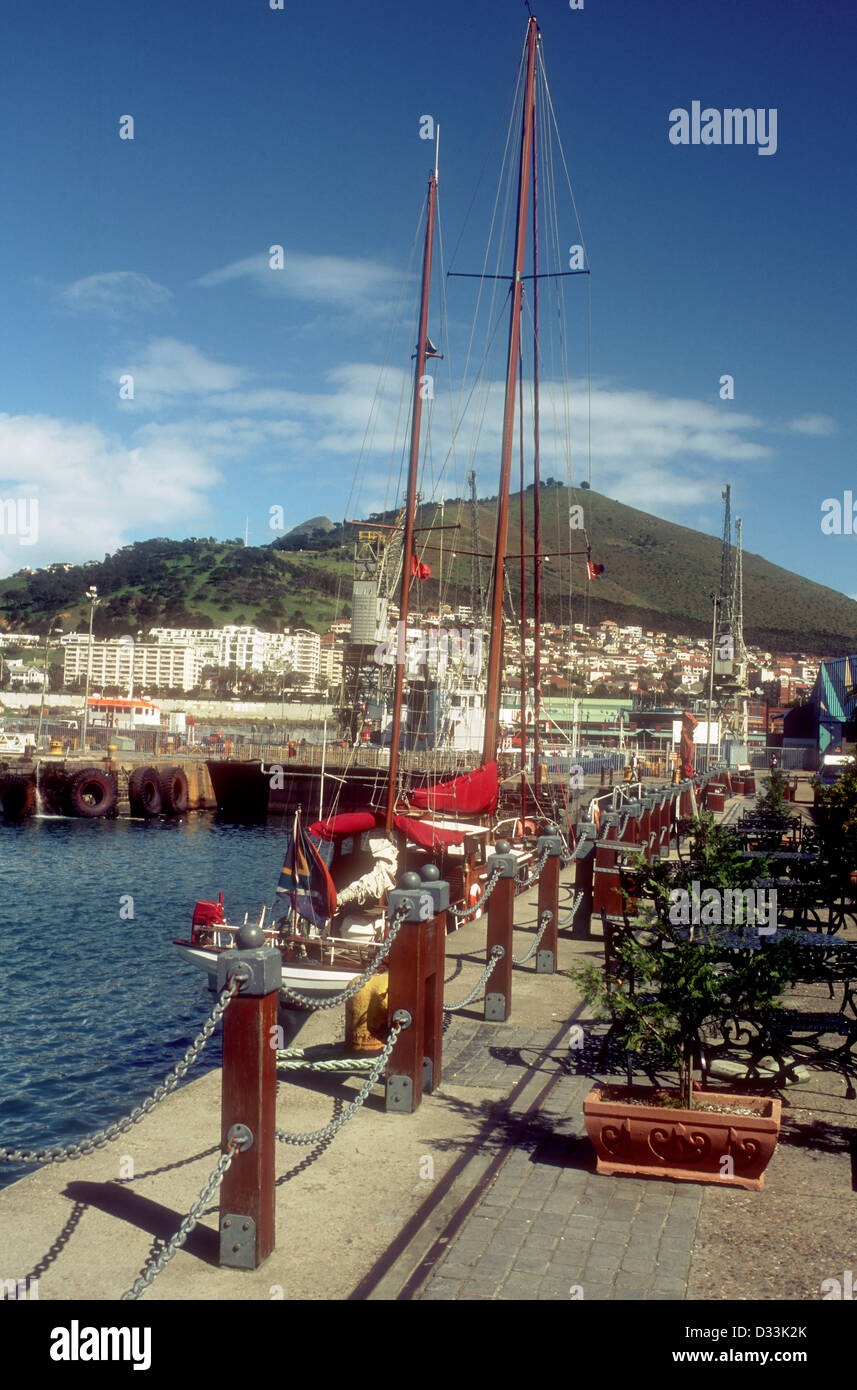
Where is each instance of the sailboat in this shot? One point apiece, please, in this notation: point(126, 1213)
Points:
point(349, 859)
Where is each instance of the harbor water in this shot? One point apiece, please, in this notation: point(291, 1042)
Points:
point(96, 1005)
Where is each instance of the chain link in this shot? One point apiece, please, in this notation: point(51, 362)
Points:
point(401, 1020)
point(356, 985)
point(106, 1136)
point(490, 884)
point(526, 882)
point(564, 921)
point(150, 1271)
point(497, 954)
point(547, 918)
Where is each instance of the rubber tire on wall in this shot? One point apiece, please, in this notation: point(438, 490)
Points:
point(145, 796)
point(174, 790)
point(92, 777)
point(17, 798)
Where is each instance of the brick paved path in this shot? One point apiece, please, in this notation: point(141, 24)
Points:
point(548, 1227)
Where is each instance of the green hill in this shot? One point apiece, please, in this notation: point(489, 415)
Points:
point(657, 574)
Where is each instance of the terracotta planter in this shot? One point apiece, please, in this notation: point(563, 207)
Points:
point(652, 1141)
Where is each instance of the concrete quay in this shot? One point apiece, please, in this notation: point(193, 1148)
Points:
point(487, 1192)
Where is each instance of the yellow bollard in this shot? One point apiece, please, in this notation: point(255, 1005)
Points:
point(366, 1024)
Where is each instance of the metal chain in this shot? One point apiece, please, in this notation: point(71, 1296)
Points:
point(575, 853)
point(497, 954)
point(356, 985)
point(106, 1136)
point(490, 884)
point(149, 1273)
point(526, 882)
point(564, 921)
point(547, 918)
point(401, 1020)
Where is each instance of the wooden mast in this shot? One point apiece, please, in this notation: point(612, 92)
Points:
point(408, 543)
point(523, 613)
point(495, 672)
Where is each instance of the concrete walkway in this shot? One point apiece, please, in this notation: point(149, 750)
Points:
point(486, 1192)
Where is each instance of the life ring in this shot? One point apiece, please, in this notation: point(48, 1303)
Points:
point(145, 797)
point(174, 790)
point(92, 793)
point(17, 798)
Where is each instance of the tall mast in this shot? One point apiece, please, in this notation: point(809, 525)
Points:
point(408, 542)
point(537, 500)
point(523, 614)
point(492, 700)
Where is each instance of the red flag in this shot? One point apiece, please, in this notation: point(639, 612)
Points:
point(418, 569)
point(594, 570)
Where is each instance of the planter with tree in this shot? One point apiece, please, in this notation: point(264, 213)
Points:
point(671, 984)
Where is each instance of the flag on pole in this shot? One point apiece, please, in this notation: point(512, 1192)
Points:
point(418, 569)
point(304, 879)
point(594, 570)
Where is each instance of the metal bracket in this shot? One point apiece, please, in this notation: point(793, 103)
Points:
point(495, 1008)
point(260, 970)
point(544, 963)
point(428, 1072)
point(400, 1094)
point(238, 1241)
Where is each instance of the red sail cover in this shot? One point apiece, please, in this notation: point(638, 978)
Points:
point(685, 748)
point(474, 794)
point(348, 823)
point(427, 834)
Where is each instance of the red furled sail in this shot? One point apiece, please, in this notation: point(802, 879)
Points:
point(474, 794)
point(685, 748)
point(348, 823)
point(428, 835)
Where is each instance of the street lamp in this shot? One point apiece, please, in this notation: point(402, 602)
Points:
point(54, 630)
point(92, 596)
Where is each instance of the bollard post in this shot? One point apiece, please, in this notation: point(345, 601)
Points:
point(248, 1099)
point(501, 920)
point(416, 969)
point(584, 865)
point(548, 902)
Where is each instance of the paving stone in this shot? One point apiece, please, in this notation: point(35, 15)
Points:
point(602, 1271)
point(441, 1289)
point(593, 1290)
point(638, 1266)
point(526, 1263)
point(539, 1240)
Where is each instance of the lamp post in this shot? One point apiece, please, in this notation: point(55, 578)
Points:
point(53, 630)
point(92, 596)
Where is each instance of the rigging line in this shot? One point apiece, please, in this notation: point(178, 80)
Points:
point(510, 106)
point(561, 151)
point(511, 124)
point(394, 328)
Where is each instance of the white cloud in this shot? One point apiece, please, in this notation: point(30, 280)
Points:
point(335, 281)
point(168, 369)
point(114, 293)
point(813, 424)
point(91, 489)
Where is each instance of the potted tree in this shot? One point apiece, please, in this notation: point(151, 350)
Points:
point(668, 986)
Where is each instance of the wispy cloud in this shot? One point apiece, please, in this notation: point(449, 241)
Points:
point(167, 370)
point(813, 424)
point(114, 294)
point(364, 286)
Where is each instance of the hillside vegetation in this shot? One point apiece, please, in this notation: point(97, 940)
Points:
point(657, 574)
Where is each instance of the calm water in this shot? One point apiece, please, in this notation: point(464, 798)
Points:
point(94, 1009)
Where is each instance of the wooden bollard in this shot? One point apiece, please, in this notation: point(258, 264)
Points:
point(501, 922)
point(548, 902)
point(248, 1100)
point(416, 969)
point(586, 832)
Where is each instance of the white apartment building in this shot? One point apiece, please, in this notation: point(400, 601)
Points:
point(122, 662)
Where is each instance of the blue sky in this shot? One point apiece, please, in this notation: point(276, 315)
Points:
point(299, 127)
